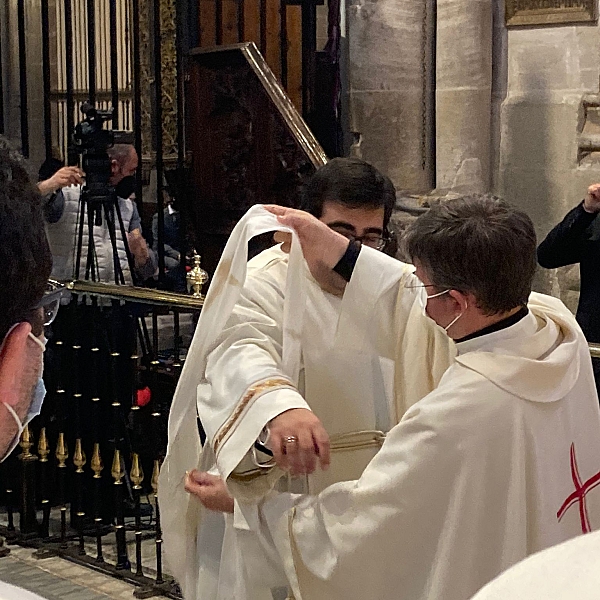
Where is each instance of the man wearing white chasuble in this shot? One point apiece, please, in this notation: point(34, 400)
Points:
point(274, 369)
point(499, 461)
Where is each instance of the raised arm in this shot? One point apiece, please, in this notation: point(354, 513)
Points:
point(565, 244)
point(377, 303)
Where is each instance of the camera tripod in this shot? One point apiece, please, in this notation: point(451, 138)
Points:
point(93, 211)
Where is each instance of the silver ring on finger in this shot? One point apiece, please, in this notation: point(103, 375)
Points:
point(289, 441)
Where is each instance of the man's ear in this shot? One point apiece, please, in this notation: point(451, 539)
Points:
point(463, 301)
point(14, 363)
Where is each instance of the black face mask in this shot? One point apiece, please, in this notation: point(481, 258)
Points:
point(125, 187)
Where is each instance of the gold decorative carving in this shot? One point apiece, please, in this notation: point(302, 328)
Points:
point(549, 12)
point(79, 458)
point(62, 452)
point(154, 479)
point(146, 78)
point(96, 463)
point(167, 9)
point(26, 443)
point(43, 447)
point(117, 468)
point(137, 474)
point(168, 29)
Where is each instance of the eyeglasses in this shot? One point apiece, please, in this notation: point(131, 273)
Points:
point(50, 303)
point(413, 286)
point(372, 240)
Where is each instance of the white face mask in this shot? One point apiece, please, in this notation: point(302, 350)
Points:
point(424, 297)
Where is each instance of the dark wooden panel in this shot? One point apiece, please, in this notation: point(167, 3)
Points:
point(207, 15)
point(230, 21)
point(248, 143)
point(273, 53)
point(294, 56)
point(252, 21)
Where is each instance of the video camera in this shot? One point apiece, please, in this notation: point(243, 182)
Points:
point(92, 141)
point(98, 196)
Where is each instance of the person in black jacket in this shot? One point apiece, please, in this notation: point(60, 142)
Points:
point(576, 239)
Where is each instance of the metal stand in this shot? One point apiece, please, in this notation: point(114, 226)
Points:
point(28, 524)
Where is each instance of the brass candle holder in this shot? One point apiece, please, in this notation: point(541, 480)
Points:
point(196, 278)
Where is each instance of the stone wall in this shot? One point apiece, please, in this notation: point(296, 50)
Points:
point(510, 107)
point(463, 95)
point(389, 87)
point(548, 73)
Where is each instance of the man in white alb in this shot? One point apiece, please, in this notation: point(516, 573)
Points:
point(489, 467)
point(342, 395)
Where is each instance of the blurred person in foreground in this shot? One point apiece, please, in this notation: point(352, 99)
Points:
point(24, 308)
point(26, 265)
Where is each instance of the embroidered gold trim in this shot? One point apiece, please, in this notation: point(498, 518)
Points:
point(253, 391)
point(356, 440)
point(248, 476)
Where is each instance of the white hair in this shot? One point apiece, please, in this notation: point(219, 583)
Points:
point(120, 152)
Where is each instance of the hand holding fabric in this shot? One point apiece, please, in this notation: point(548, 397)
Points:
point(297, 439)
point(322, 247)
point(210, 490)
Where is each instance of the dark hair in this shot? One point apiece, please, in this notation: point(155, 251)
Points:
point(351, 182)
point(24, 252)
point(478, 244)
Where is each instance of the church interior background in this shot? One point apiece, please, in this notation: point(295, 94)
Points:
point(233, 102)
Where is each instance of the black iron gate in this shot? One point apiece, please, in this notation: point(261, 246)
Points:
point(78, 480)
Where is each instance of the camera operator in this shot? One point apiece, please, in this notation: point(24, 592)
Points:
point(63, 213)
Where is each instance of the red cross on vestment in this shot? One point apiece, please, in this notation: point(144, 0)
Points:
point(578, 496)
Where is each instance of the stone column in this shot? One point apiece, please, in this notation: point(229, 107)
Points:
point(463, 95)
point(390, 95)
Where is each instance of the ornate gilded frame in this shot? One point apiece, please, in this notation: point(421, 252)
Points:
point(528, 13)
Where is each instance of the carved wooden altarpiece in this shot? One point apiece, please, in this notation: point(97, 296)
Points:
point(248, 143)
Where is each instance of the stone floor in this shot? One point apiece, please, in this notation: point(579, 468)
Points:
point(58, 579)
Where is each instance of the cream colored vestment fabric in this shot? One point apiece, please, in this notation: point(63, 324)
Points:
point(267, 337)
point(483, 471)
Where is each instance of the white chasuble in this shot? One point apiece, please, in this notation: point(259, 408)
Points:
point(568, 571)
point(498, 462)
point(269, 340)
